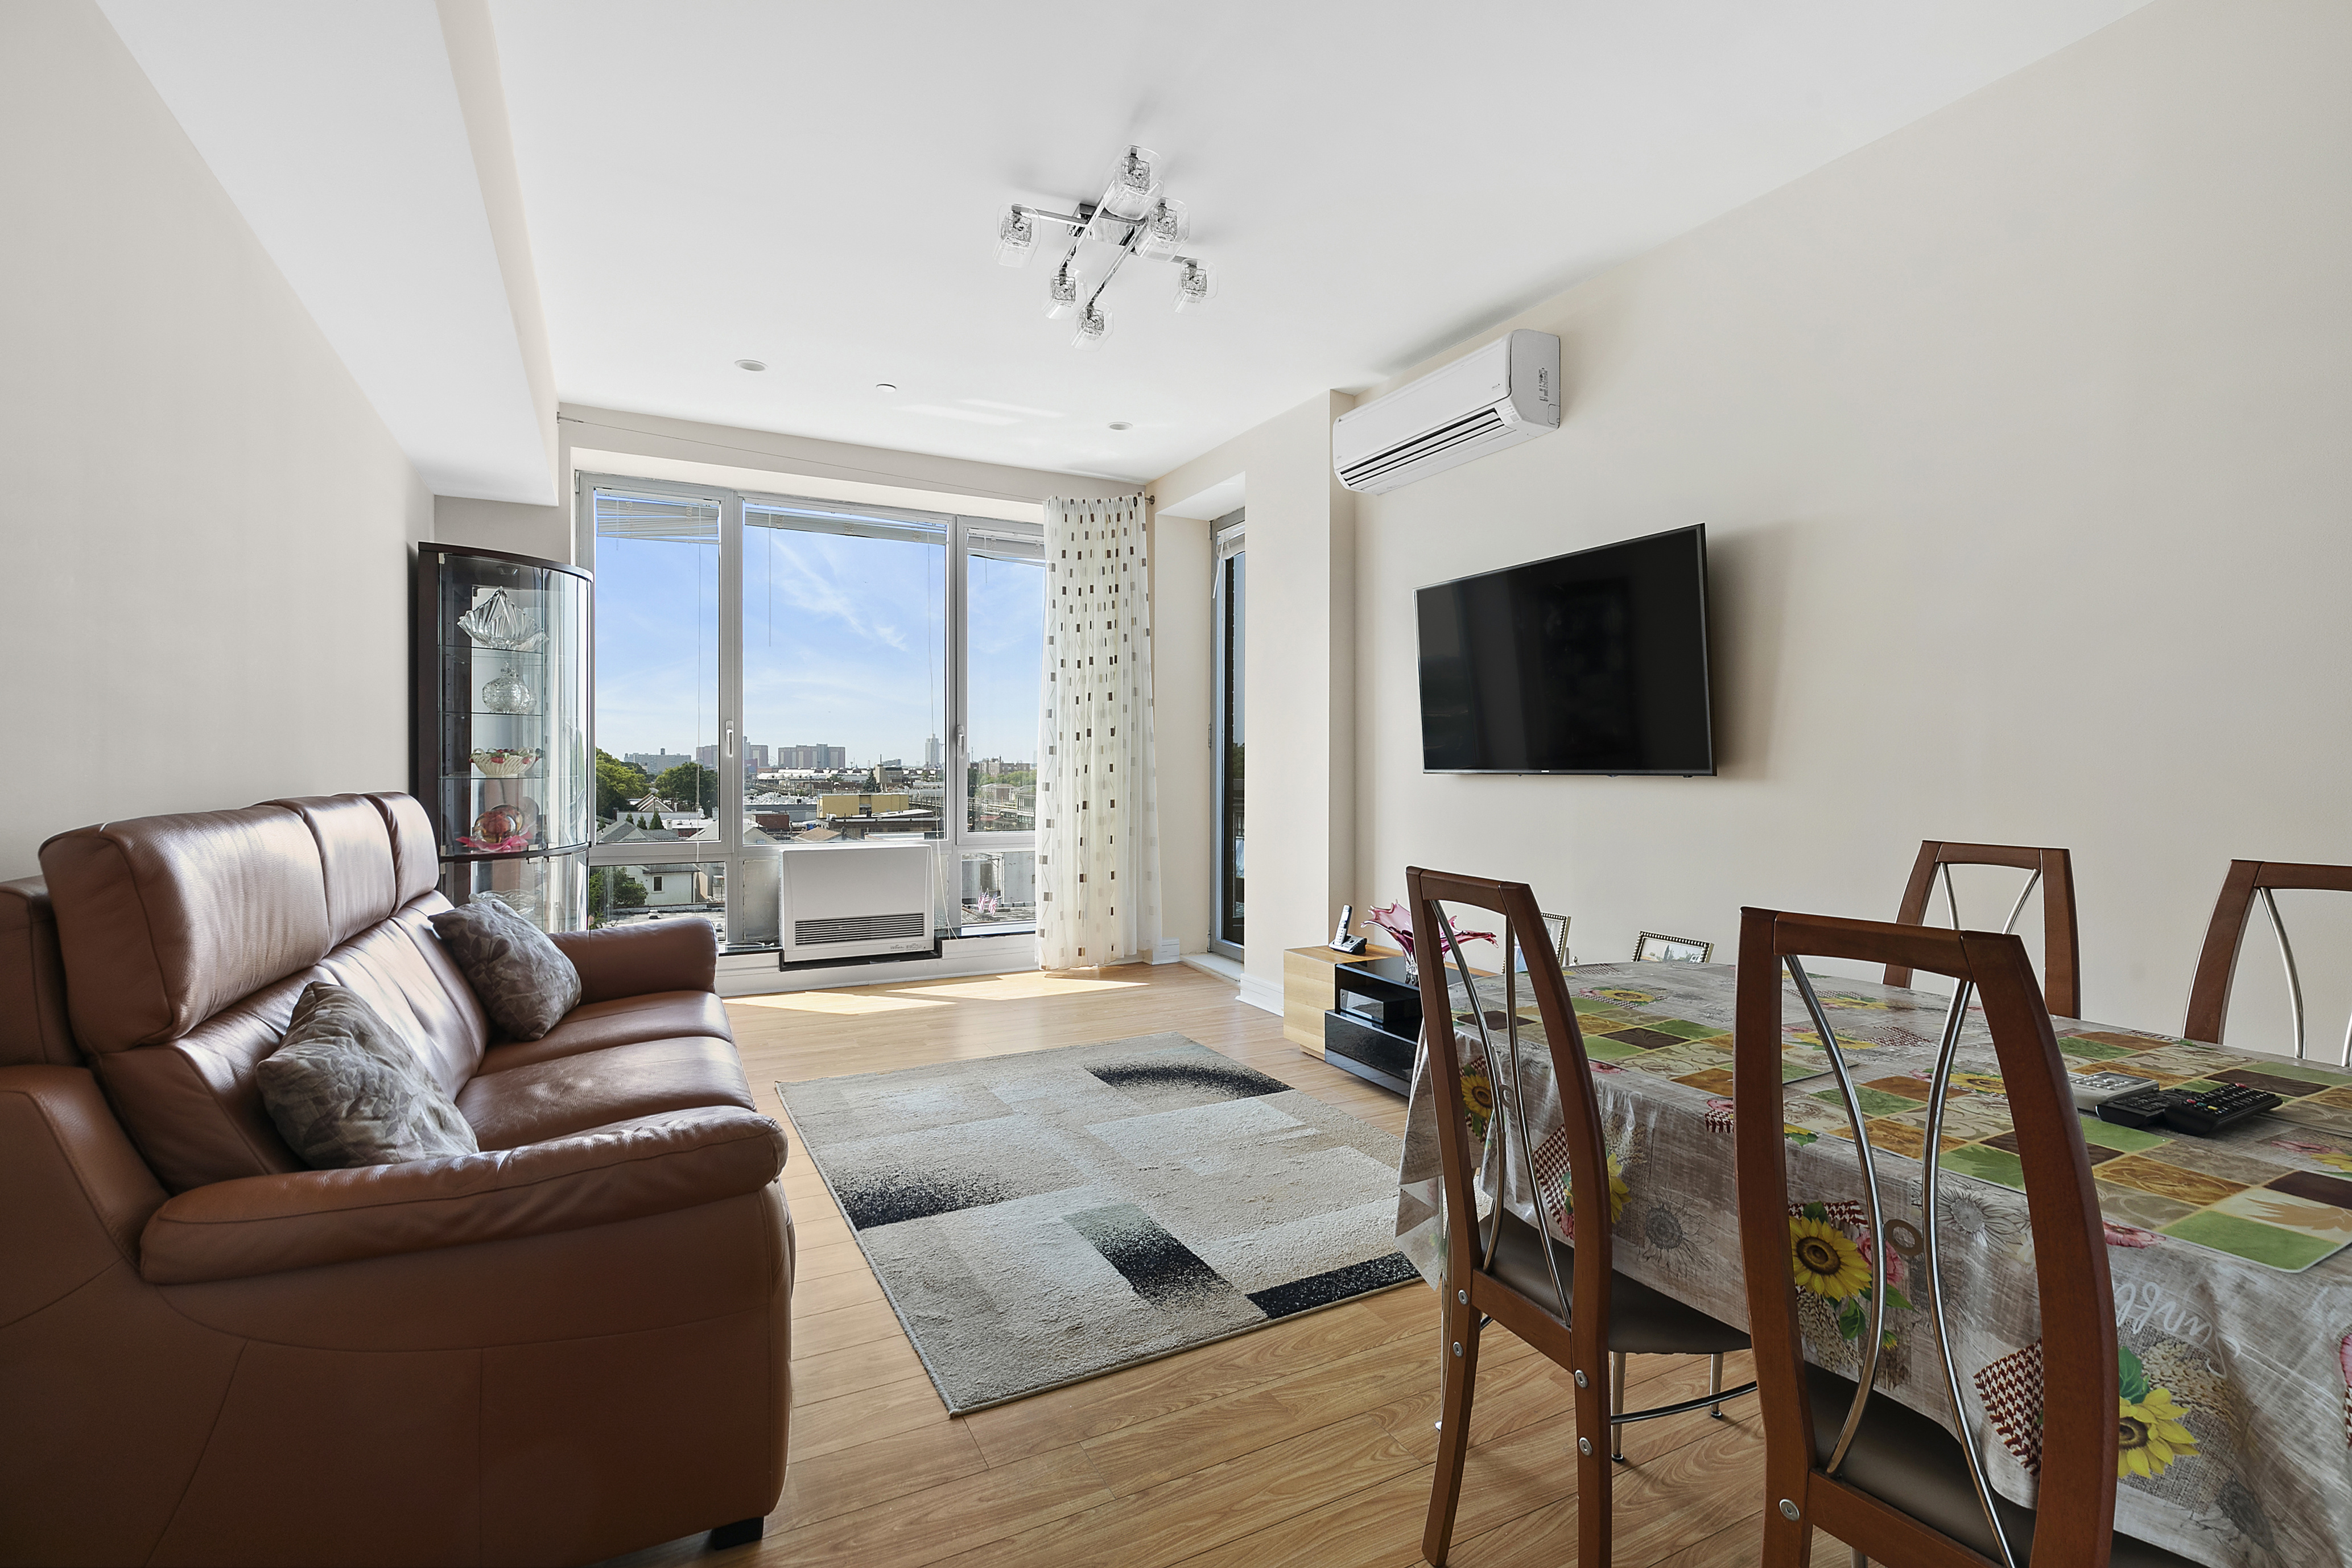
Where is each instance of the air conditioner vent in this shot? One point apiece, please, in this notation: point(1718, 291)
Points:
point(1492, 398)
point(1485, 422)
point(860, 928)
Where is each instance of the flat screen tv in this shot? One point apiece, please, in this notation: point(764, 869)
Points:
point(1589, 663)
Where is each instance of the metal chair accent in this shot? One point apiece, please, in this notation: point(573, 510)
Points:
point(2053, 871)
point(1891, 1483)
point(1566, 1302)
point(2217, 964)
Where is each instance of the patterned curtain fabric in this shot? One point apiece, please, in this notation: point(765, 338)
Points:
point(1097, 804)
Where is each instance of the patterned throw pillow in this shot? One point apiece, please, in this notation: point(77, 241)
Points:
point(348, 1088)
point(522, 980)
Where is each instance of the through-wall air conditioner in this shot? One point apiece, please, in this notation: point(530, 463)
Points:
point(856, 900)
point(1497, 396)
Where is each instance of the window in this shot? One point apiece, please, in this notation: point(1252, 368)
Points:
point(1229, 641)
point(774, 672)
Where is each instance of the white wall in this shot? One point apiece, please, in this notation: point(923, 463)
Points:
point(1298, 689)
point(204, 528)
point(2021, 436)
point(1182, 713)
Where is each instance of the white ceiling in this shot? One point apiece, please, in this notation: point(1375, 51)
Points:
point(817, 186)
point(337, 132)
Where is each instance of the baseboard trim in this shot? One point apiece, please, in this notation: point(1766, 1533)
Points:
point(1263, 994)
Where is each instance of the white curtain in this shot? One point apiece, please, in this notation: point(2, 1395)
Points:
point(1097, 804)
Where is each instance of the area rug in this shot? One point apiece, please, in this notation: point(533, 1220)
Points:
point(1047, 1218)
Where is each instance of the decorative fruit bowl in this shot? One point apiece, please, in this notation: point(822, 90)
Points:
point(505, 762)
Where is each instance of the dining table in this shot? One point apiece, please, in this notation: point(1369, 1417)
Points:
point(2232, 1290)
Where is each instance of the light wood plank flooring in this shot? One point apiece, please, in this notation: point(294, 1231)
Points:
point(1306, 1443)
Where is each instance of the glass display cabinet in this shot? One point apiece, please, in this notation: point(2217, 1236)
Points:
point(501, 729)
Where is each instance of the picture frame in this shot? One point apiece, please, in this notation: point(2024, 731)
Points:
point(1555, 927)
point(1656, 947)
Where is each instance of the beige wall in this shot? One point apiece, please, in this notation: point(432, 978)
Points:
point(2021, 436)
point(1299, 685)
point(204, 531)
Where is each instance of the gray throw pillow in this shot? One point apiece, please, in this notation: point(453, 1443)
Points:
point(522, 980)
point(348, 1088)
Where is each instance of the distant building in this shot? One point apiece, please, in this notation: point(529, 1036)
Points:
point(931, 753)
point(655, 763)
point(754, 757)
point(815, 758)
point(869, 803)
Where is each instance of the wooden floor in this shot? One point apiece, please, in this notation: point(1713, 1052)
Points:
point(1310, 1442)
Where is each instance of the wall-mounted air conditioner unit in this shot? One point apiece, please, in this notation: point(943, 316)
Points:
point(855, 901)
point(1497, 396)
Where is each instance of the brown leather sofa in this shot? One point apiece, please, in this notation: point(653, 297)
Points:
point(570, 1345)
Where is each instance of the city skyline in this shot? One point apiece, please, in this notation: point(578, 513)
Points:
point(843, 638)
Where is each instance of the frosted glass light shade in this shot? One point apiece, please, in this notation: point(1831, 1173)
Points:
point(1016, 236)
point(1062, 291)
point(1195, 286)
point(1165, 226)
point(1134, 182)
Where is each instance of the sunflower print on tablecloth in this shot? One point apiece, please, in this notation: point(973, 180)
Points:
point(2150, 1439)
point(1477, 1099)
point(1827, 1261)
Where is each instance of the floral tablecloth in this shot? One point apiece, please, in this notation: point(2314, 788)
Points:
point(2233, 1302)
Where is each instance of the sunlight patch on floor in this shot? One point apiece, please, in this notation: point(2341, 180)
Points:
point(840, 1003)
point(1023, 987)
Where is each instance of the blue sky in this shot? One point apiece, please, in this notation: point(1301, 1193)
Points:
point(842, 646)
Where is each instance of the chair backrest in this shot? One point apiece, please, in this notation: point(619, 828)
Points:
point(1440, 959)
point(2076, 1515)
point(2053, 873)
point(2249, 880)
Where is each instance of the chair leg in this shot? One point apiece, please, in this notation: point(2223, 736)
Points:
point(1715, 1382)
point(1617, 1404)
point(1595, 1476)
point(1861, 1558)
point(1459, 1352)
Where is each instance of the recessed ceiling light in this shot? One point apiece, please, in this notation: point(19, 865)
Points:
point(750, 365)
point(1120, 424)
point(885, 386)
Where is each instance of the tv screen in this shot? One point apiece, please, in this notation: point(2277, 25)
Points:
point(1589, 663)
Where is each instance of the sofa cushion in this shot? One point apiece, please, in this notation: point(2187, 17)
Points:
point(355, 856)
point(572, 1094)
point(523, 980)
point(349, 1087)
point(632, 1020)
point(167, 921)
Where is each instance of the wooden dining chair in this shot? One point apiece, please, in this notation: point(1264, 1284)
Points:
point(2054, 872)
point(1565, 1300)
point(2249, 880)
point(1891, 1483)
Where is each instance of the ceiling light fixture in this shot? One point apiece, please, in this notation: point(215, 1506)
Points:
point(750, 365)
point(885, 386)
point(1120, 424)
point(1132, 216)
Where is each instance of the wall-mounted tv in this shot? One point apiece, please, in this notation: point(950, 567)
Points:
point(1589, 663)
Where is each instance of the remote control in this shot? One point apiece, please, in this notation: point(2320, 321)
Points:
point(2141, 1107)
point(2206, 1114)
point(2093, 1090)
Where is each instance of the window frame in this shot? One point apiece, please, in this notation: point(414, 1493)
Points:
point(1000, 536)
point(1228, 537)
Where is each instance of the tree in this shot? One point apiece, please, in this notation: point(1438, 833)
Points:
point(691, 786)
point(619, 784)
point(628, 893)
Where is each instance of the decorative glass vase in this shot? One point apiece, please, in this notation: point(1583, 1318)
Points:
point(507, 692)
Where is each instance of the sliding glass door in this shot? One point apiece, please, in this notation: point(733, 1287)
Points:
point(1229, 642)
point(795, 672)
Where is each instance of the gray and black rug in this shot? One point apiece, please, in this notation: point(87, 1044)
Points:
point(1042, 1219)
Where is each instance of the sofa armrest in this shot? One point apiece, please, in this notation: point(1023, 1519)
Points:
point(640, 959)
point(304, 1219)
point(77, 1192)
